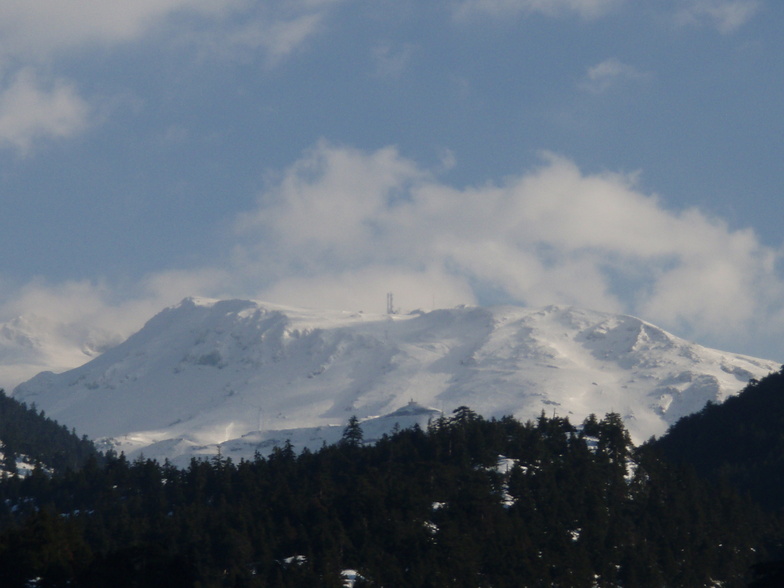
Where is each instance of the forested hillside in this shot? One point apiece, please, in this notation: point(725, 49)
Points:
point(741, 441)
point(467, 502)
point(27, 433)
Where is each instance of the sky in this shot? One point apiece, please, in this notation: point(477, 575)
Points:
point(616, 155)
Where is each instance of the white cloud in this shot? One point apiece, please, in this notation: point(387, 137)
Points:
point(327, 204)
point(117, 310)
point(610, 72)
point(283, 37)
point(275, 30)
point(34, 33)
point(67, 302)
point(58, 326)
point(725, 15)
point(501, 8)
point(367, 287)
point(38, 29)
point(342, 227)
point(31, 109)
point(342, 224)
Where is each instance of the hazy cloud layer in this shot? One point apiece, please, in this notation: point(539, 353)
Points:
point(609, 73)
point(35, 33)
point(273, 29)
point(500, 8)
point(82, 307)
point(346, 225)
point(36, 28)
point(31, 108)
point(724, 15)
point(341, 227)
point(391, 60)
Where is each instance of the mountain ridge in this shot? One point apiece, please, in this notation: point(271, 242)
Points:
point(245, 375)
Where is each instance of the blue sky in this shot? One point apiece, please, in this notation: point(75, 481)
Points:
point(613, 154)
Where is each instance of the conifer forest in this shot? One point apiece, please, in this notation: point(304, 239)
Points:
point(468, 501)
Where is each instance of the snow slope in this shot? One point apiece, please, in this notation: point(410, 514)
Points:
point(247, 375)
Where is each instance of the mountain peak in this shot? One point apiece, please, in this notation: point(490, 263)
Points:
point(207, 372)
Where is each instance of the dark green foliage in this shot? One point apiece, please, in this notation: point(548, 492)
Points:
point(740, 441)
point(353, 434)
point(418, 508)
point(25, 431)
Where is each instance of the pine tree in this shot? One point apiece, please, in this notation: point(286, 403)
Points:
point(353, 434)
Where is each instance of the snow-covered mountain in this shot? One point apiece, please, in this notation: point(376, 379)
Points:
point(245, 375)
point(30, 344)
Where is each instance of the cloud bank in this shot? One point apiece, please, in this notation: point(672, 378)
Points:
point(341, 227)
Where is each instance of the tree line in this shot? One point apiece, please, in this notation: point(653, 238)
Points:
point(468, 501)
point(27, 432)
